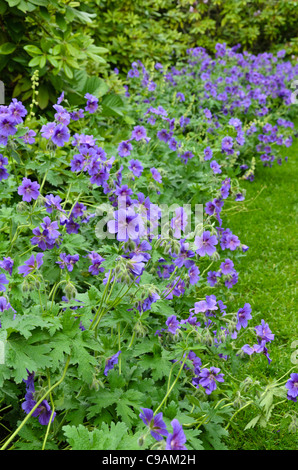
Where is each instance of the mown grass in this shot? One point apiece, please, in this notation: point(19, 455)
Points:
point(267, 223)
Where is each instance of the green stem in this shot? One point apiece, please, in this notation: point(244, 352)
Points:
point(119, 349)
point(97, 314)
point(48, 430)
point(238, 411)
point(54, 293)
point(172, 386)
point(37, 405)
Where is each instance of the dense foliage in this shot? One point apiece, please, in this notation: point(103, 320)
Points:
point(119, 323)
point(62, 38)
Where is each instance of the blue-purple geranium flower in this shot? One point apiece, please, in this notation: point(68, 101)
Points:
point(156, 424)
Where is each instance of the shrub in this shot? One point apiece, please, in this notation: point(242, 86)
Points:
point(68, 42)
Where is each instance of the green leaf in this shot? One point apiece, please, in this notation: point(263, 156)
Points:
point(252, 422)
point(61, 21)
point(21, 355)
point(80, 438)
point(7, 48)
point(68, 71)
point(33, 50)
point(34, 62)
point(43, 96)
point(42, 62)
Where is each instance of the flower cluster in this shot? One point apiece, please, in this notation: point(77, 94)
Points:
point(158, 429)
point(43, 410)
point(264, 336)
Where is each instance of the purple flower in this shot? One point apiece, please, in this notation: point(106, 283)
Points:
point(68, 261)
point(292, 386)
point(77, 163)
point(17, 110)
point(7, 125)
point(208, 378)
point(61, 98)
point(29, 404)
point(239, 197)
point(208, 153)
point(31, 264)
point(28, 190)
point(232, 242)
point(3, 173)
point(205, 305)
point(92, 103)
point(3, 280)
point(225, 188)
point(232, 279)
point(146, 305)
point(96, 260)
point(177, 439)
point(71, 226)
point(125, 224)
point(212, 278)
point(111, 362)
point(61, 115)
point(124, 148)
point(44, 413)
point(60, 135)
point(124, 192)
point(28, 138)
point(7, 264)
point(139, 133)
point(136, 167)
point(78, 210)
point(156, 175)
point(186, 156)
point(193, 273)
point(179, 223)
point(47, 130)
point(257, 348)
point(136, 265)
point(227, 145)
point(172, 324)
point(76, 115)
point(155, 423)
point(264, 332)
point(207, 113)
point(215, 167)
point(52, 202)
point(51, 229)
point(180, 96)
point(243, 315)
point(164, 135)
point(133, 73)
point(5, 305)
point(184, 121)
point(30, 382)
point(173, 144)
point(227, 266)
point(206, 244)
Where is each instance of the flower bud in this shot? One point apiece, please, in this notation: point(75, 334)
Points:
point(293, 426)
point(140, 330)
point(215, 256)
point(70, 291)
point(22, 207)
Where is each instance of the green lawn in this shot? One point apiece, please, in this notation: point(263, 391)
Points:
point(267, 223)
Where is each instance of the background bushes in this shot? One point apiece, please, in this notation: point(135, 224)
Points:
point(68, 42)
